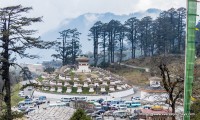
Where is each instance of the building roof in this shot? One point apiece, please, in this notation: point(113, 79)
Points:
point(155, 112)
point(153, 89)
point(82, 59)
point(155, 79)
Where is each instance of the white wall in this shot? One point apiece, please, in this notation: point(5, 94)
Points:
point(153, 96)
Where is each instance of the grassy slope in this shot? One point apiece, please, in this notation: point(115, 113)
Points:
point(15, 98)
point(174, 62)
point(132, 76)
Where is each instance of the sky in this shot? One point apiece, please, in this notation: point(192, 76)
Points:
point(55, 11)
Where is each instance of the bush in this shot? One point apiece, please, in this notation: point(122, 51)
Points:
point(15, 115)
point(104, 64)
point(80, 115)
point(195, 109)
point(15, 98)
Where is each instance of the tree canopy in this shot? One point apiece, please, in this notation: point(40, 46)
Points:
point(143, 37)
point(15, 39)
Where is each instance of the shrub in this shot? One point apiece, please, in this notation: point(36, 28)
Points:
point(80, 115)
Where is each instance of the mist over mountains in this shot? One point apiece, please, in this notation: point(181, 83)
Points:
point(83, 23)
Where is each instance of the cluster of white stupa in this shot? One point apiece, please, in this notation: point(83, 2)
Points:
point(104, 81)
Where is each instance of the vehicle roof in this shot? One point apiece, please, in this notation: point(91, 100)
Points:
point(128, 101)
point(96, 103)
point(119, 111)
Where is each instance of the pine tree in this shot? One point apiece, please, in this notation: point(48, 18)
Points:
point(15, 38)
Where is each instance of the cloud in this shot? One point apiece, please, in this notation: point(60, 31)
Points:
point(55, 11)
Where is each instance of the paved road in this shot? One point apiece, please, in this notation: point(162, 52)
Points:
point(120, 94)
point(135, 67)
point(51, 113)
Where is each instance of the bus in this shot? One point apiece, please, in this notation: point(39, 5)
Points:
point(131, 104)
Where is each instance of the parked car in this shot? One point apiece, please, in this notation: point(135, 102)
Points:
point(100, 100)
point(114, 105)
point(105, 107)
point(100, 112)
point(28, 101)
point(147, 107)
point(114, 108)
point(136, 99)
point(122, 106)
point(29, 110)
point(65, 99)
point(21, 93)
point(43, 99)
point(97, 106)
point(37, 101)
point(119, 113)
point(21, 103)
point(89, 111)
point(157, 107)
point(22, 108)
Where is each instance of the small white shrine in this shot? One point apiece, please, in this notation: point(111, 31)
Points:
point(61, 77)
point(112, 82)
point(85, 84)
point(155, 82)
point(45, 88)
point(52, 82)
point(53, 88)
point(59, 89)
point(76, 83)
point(96, 83)
point(103, 88)
point(89, 79)
point(59, 83)
point(76, 78)
point(69, 89)
point(112, 88)
point(105, 82)
point(79, 88)
point(83, 65)
point(119, 86)
point(91, 86)
point(66, 84)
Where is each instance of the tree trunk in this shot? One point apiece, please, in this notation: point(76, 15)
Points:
point(6, 78)
point(104, 48)
point(132, 50)
point(173, 111)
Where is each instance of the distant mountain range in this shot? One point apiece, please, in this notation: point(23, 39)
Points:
point(84, 22)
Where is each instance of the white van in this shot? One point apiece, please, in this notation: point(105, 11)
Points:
point(122, 106)
point(97, 106)
point(65, 99)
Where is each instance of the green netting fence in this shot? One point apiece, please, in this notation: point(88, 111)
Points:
point(189, 55)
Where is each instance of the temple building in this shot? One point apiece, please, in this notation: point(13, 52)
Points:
point(83, 65)
point(154, 92)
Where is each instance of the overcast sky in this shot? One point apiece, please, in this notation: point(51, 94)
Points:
point(54, 11)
